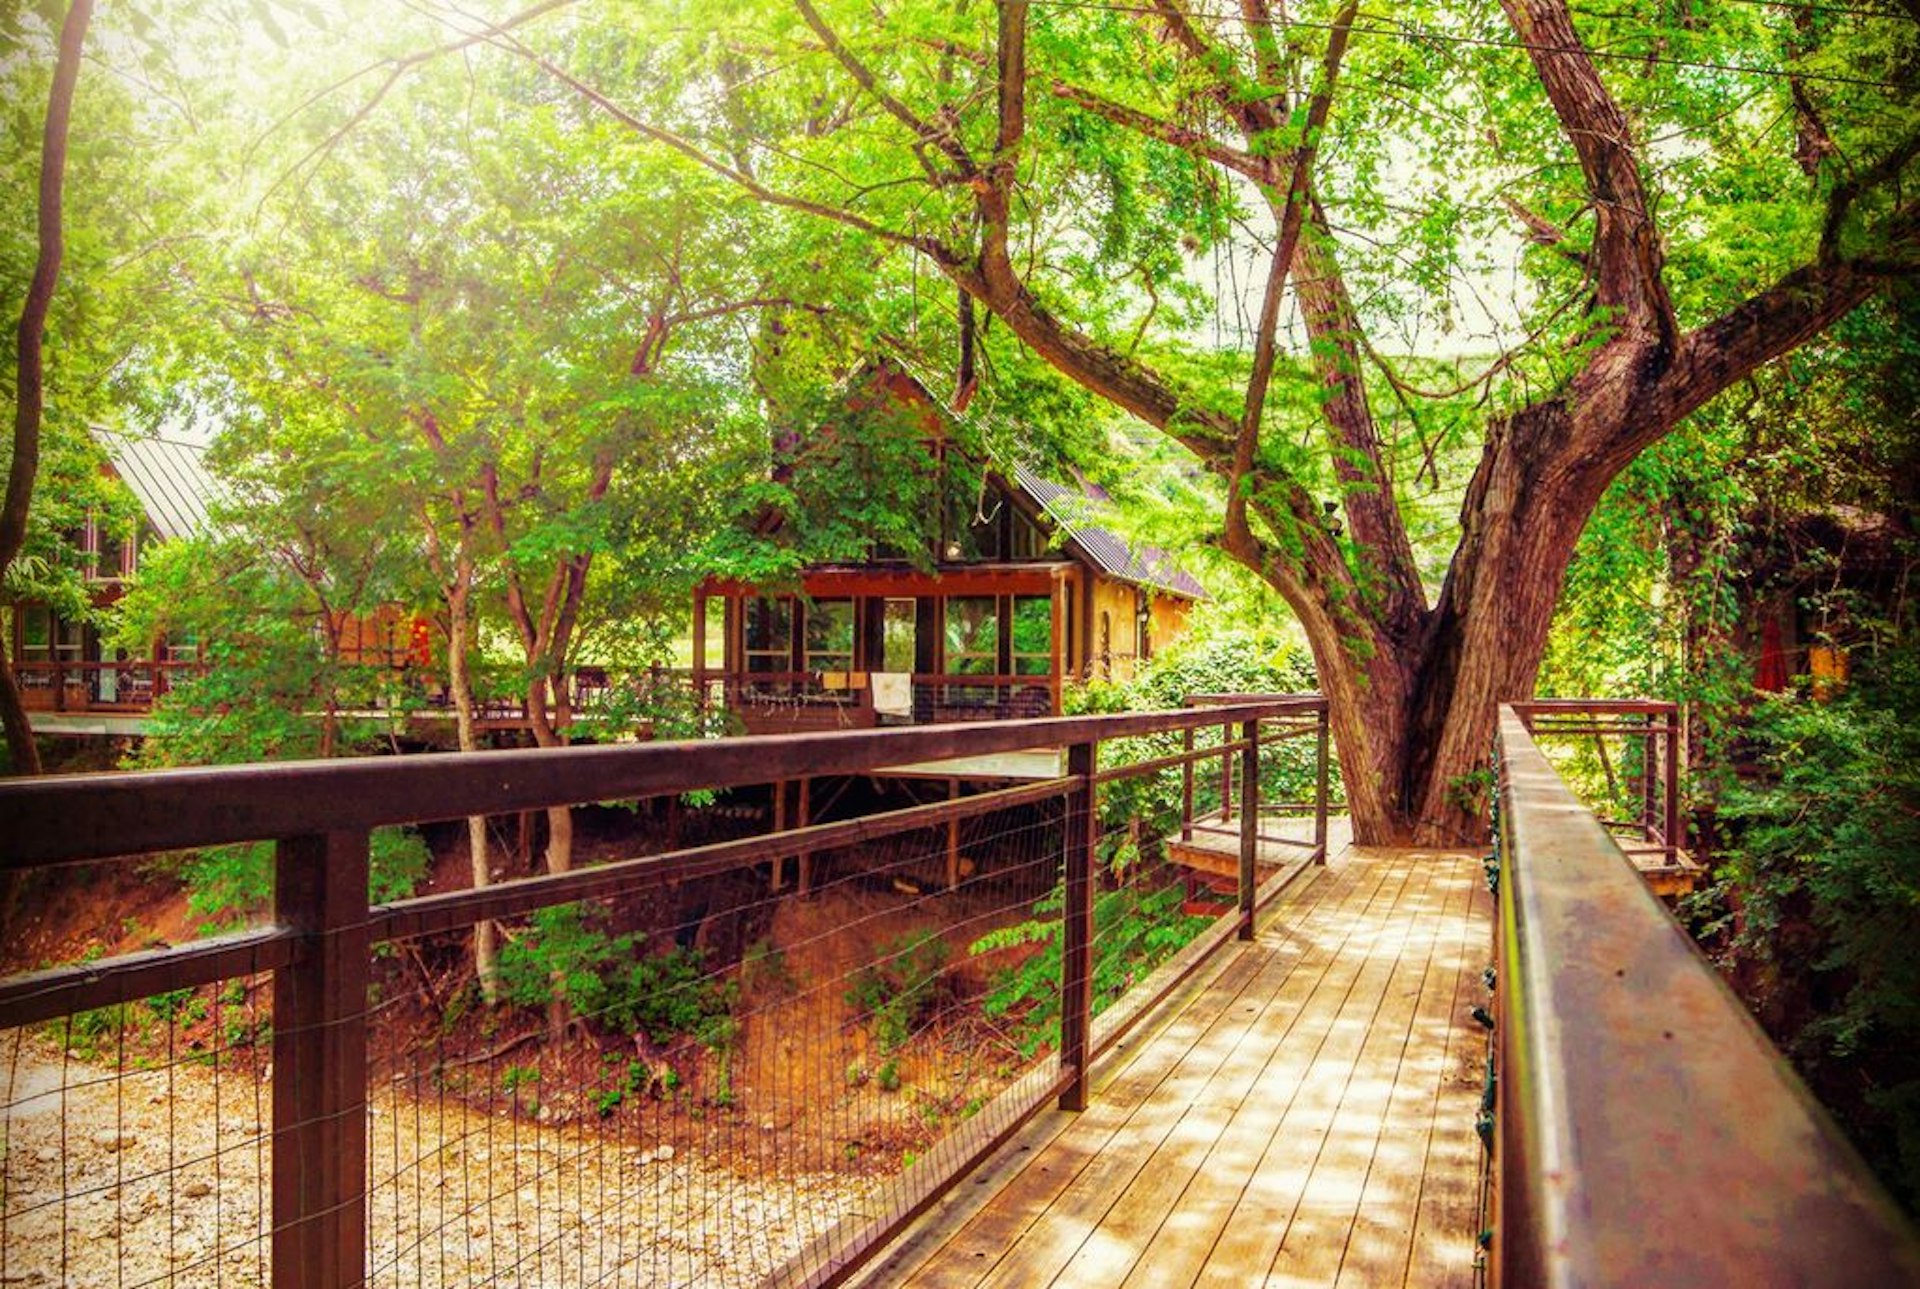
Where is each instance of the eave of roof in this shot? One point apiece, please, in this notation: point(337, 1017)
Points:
point(1147, 566)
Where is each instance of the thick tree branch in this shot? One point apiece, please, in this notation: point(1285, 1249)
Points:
point(1373, 513)
point(1187, 138)
point(1290, 213)
point(1629, 262)
point(1792, 311)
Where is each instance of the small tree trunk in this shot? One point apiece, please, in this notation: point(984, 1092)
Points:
point(486, 951)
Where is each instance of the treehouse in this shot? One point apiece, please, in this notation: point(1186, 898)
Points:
point(71, 681)
point(60, 660)
point(1015, 591)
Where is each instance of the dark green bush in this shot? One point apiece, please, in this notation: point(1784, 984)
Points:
point(899, 989)
point(567, 955)
point(1824, 864)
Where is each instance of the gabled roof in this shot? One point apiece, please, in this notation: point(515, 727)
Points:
point(168, 478)
point(1147, 566)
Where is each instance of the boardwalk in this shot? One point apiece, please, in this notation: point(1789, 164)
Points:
point(1302, 1116)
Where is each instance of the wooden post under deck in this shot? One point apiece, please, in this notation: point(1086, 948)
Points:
point(804, 812)
point(953, 838)
point(779, 826)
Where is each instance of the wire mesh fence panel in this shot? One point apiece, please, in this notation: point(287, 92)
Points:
point(137, 1141)
point(704, 1081)
point(738, 1041)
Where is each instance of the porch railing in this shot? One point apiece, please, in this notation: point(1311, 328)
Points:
point(377, 1136)
point(97, 686)
point(1643, 1130)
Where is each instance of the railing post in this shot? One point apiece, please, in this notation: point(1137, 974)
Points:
point(320, 1065)
point(1076, 941)
point(1249, 821)
point(1671, 806)
point(1322, 741)
point(1226, 773)
point(1186, 786)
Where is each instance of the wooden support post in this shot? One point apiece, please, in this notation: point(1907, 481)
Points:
point(1649, 776)
point(1057, 664)
point(1186, 786)
point(1076, 942)
point(1671, 806)
point(319, 1218)
point(953, 838)
point(1226, 773)
point(1249, 822)
point(1322, 767)
point(779, 826)
point(805, 811)
point(700, 651)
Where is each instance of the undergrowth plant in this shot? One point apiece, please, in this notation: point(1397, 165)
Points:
point(567, 954)
point(1824, 861)
point(1134, 931)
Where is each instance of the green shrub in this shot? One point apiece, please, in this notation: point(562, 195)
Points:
point(1133, 932)
point(1825, 863)
point(566, 954)
point(898, 991)
point(227, 885)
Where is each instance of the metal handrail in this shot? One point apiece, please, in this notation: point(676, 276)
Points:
point(1646, 1132)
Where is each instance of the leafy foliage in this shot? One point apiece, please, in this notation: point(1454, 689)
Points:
point(226, 884)
point(1825, 865)
point(566, 954)
point(900, 988)
point(1134, 931)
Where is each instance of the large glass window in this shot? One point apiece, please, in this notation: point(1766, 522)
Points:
point(1032, 635)
point(767, 633)
point(830, 635)
point(973, 636)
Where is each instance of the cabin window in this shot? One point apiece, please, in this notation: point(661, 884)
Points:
point(1143, 631)
point(767, 634)
point(183, 646)
point(830, 635)
point(36, 633)
point(1027, 540)
point(109, 557)
point(1106, 644)
point(899, 636)
point(1032, 635)
point(973, 636)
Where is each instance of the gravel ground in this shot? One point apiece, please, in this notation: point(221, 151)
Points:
point(155, 1176)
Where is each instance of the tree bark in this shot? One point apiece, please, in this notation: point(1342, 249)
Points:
point(30, 391)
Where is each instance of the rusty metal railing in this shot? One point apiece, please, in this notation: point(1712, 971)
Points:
point(1644, 1130)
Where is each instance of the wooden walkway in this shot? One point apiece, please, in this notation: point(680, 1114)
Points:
point(1302, 1115)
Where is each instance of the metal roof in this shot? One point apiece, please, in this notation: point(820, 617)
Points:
point(1143, 565)
point(167, 476)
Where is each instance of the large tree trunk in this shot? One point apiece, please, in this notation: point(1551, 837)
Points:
point(30, 395)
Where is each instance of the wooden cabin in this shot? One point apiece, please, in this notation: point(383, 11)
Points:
point(1021, 594)
point(59, 660)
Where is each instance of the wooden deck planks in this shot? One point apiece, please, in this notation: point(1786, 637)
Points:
point(1305, 1117)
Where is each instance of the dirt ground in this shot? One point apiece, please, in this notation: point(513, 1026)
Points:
point(494, 1156)
point(157, 1175)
